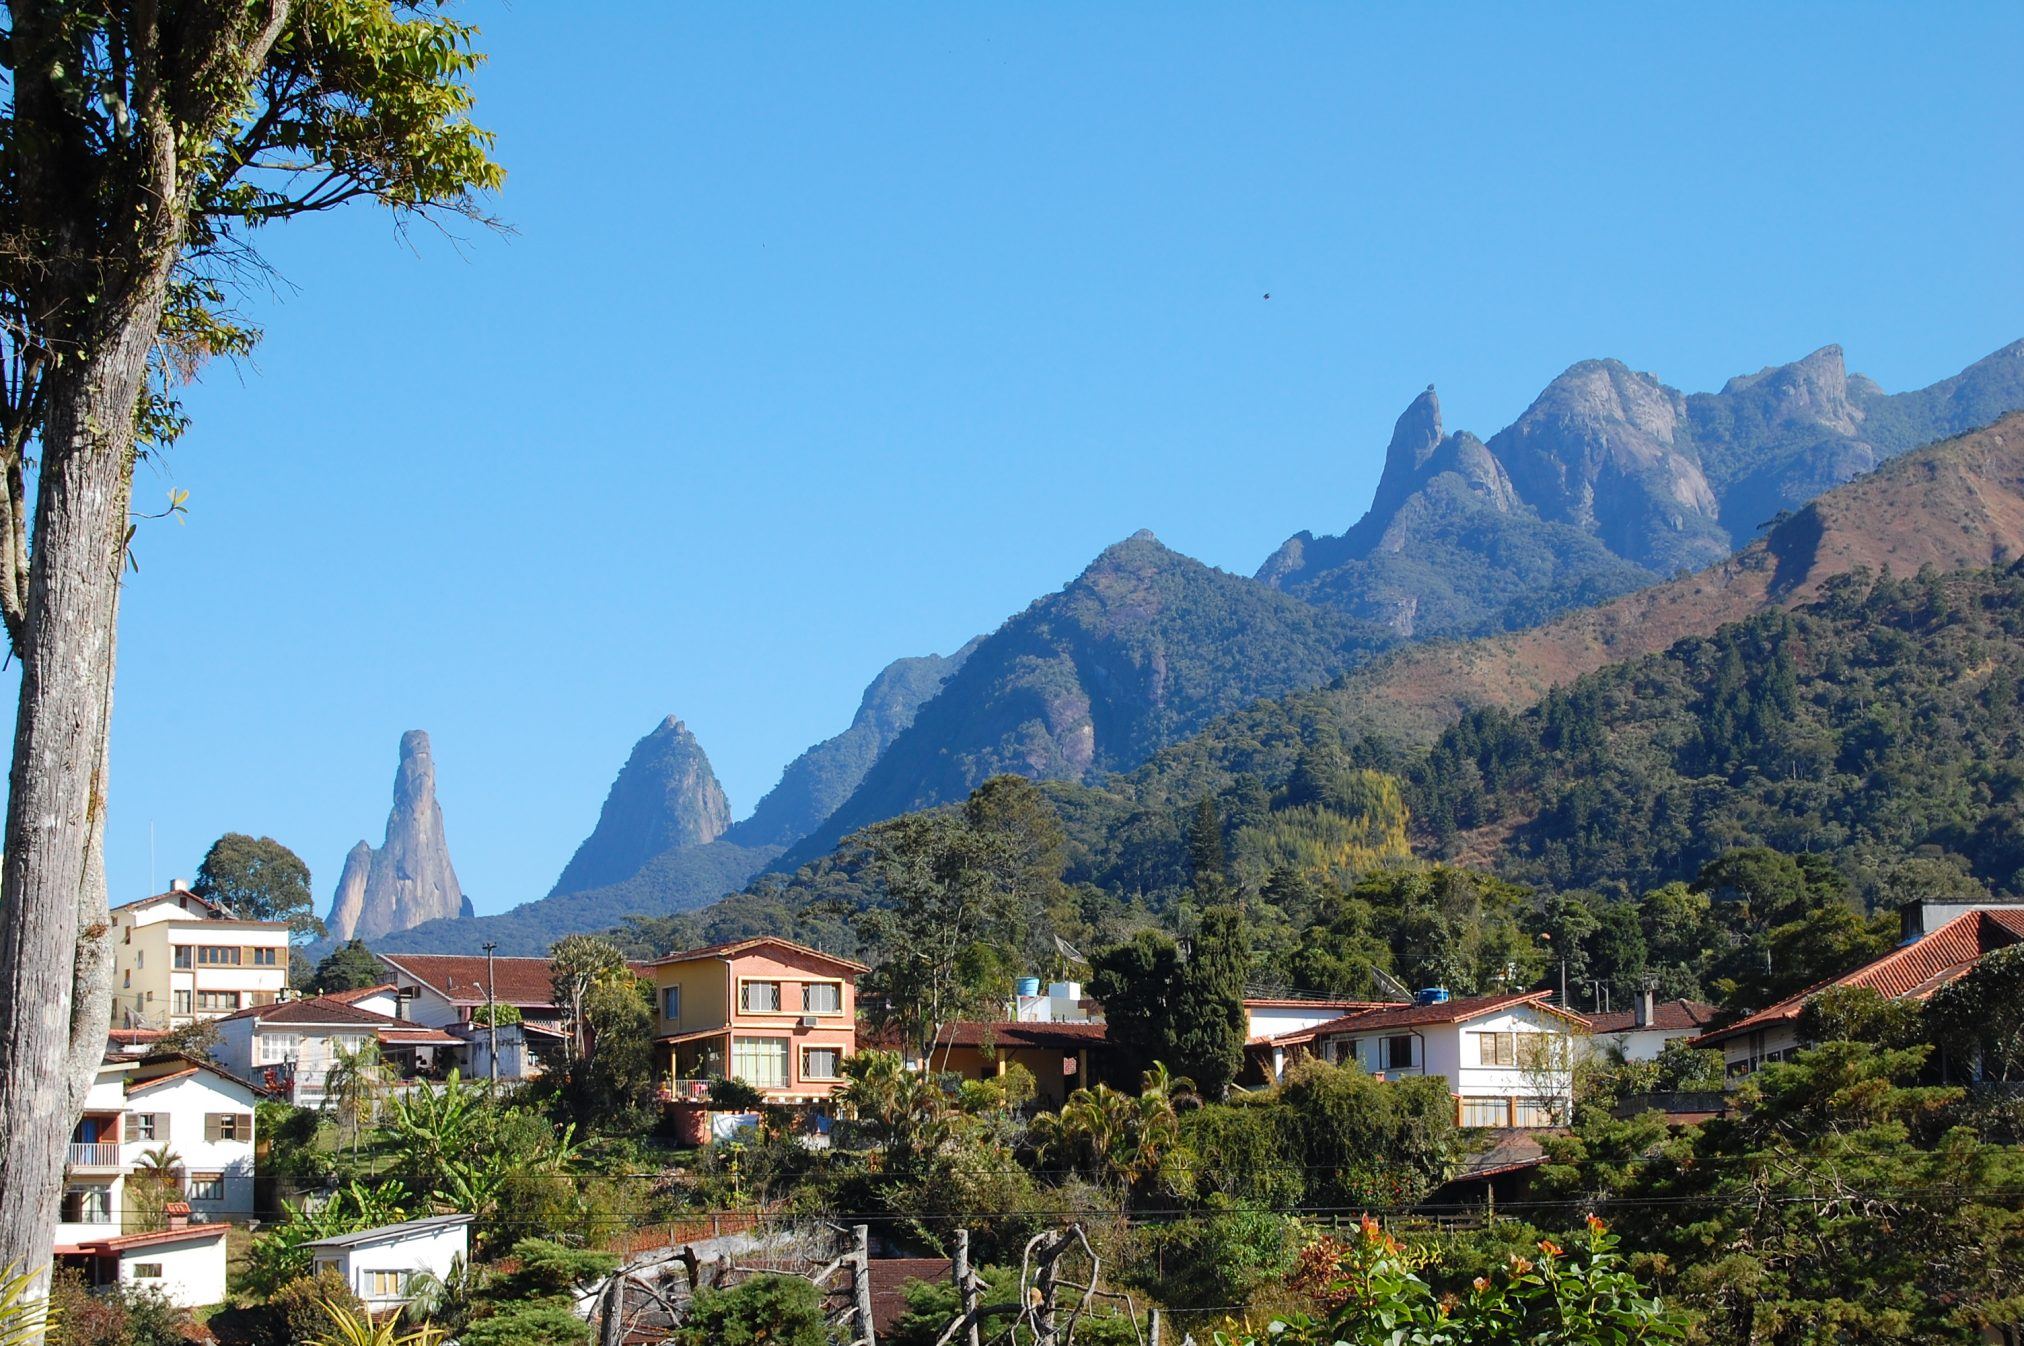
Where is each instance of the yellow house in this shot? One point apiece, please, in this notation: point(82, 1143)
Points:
point(178, 958)
point(778, 1015)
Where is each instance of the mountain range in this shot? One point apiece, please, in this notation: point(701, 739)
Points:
point(1605, 489)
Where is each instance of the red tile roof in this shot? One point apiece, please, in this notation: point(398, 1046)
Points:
point(1911, 971)
point(1045, 1036)
point(316, 1009)
point(734, 947)
point(526, 983)
point(1668, 1016)
point(1295, 1002)
point(127, 1242)
point(359, 993)
point(1416, 1016)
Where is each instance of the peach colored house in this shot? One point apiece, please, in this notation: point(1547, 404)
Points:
point(776, 1014)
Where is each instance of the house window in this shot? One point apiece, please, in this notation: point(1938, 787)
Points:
point(182, 955)
point(1495, 1049)
point(182, 1002)
point(261, 997)
point(148, 1127)
point(217, 1000)
point(1535, 1051)
point(761, 997)
point(265, 957)
point(140, 958)
point(87, 1205)
point(760, 1061)
point(147, 1271)
point(1537, 1112)
point(217, 955)
point(821, 1063)
point(275, 1048)
point(671, 1004)
point(822, 997)
point(207, 1187)
point(228, 1126)
point(1486, 1111)
point(1398, 1052)
point(386, 1284)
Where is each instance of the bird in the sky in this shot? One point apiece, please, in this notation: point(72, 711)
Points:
point(1268, 296)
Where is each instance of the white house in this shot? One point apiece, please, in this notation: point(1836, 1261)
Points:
point(380, 1264)
point(291, 1047)
point(1644, 1030)
point(202, 1118)
point(1267, 1017)
point(1508, 1060)
point(1934, 956)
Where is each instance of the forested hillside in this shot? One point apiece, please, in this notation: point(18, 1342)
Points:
point(1881, 721)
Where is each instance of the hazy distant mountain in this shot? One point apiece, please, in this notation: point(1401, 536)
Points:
point(661, 843)
point(1145, 646)
point(1611, 481)
point(817, 782)
point(409, 878)
point(666, 796)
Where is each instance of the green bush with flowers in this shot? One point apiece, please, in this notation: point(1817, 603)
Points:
point(1371, 1293)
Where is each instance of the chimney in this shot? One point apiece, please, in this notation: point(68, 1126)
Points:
point(179, 885)
point(1646, 1010)
point(178, 1213)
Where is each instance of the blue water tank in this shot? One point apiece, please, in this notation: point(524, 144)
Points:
point(1028, 985)
point(1430, 995)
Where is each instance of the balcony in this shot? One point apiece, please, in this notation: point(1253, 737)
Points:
point(94, 1154)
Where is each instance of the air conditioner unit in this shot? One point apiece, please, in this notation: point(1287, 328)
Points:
point(811, 1021)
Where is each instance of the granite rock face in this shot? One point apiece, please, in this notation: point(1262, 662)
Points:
point(409, 878)
point(1611, 481)
point(666, 797)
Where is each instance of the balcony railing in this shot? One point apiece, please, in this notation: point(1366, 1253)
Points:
point(94, 1154)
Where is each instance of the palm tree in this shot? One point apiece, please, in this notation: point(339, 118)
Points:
point(1123, 1141)
point(353, 1087)
point(157, 1180)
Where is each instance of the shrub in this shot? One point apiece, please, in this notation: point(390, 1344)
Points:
point(121, 1315)
point(539, 1322)
point(296, 1311)
point(734, 1095)
point(775, 1310)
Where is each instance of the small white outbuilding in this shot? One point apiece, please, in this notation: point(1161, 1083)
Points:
point(380, 1264)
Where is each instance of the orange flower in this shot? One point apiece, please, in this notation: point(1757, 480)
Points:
point(1549, 1247)
point(1595, 1224)
point(1482, 1284)
point(1520, 1265)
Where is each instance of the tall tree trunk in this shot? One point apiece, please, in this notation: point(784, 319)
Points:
point(55, 949)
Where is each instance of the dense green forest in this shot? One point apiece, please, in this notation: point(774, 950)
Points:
point(1763, 795)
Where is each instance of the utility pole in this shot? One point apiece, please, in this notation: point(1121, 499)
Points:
point(491, 1016)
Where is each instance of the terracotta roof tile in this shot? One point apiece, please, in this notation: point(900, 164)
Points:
point(314, 1009)
point(736, 946)
point(1669, 1016)
point(526, 983)
point(1414, 1016)
point(1911, 971)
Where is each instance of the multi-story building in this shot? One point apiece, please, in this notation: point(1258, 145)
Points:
point(778, 1015)
point(178, 958)
point(170, 1116)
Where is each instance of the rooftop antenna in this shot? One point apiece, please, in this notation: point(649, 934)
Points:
point(151, 855)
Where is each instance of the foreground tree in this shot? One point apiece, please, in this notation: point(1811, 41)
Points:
point(259, 879)
point(139, 144)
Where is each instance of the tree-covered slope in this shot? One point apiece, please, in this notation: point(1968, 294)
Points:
point(1882, 720)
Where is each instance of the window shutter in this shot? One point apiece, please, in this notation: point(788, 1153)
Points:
point(246, 1127)
point(213, 1126)
point(162, 1128)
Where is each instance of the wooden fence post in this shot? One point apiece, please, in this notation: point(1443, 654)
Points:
point(966, 1288)
point(860, 1282)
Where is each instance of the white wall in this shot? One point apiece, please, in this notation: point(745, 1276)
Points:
point(1270, 1021)
point(187, 1102)
point(193, 1273)
point(432, 1250)
point(1450, 1051)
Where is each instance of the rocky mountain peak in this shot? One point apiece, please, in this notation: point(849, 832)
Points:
point(409, 878)
point(666, 796)
point(1815, 391)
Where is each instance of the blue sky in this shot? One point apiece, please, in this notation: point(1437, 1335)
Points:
point(830, 334)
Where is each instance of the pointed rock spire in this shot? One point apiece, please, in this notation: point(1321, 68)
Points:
point(665, 796)
point(409, 879)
